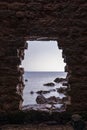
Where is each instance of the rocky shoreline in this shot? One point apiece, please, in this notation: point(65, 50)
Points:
point(45, 108)
point(52, 103)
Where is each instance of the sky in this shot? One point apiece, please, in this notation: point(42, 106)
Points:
point(43, 56)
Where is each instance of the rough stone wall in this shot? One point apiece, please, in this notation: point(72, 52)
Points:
point(21, 20)
point(11, 80)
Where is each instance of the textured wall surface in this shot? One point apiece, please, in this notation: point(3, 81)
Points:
point(21, 20)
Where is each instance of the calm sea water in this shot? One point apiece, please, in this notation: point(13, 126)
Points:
point(35, 83)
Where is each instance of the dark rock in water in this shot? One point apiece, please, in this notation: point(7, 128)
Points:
point(42, 92)
point(52, 100)
point(41, 99)
point(65, 84)
point(58, 80)
point(61, 90)
point(26, 80)
point(64, 99)
point(49, 84)
point(52, 90)
point(31, 92)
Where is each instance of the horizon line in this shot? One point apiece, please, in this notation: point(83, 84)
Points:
point(43, 71)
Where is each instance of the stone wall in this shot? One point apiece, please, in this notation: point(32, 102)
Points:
point(22, 20)
point(11, 80)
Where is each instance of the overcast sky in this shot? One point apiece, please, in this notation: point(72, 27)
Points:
point(43, 56)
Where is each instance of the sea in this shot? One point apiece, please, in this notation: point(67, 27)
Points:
point(34, 82)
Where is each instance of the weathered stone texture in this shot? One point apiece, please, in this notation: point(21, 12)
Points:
point(64, 21)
